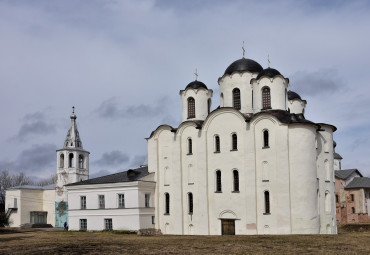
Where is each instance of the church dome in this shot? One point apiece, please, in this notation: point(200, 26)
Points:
point(292, 95)
point(270, 72)
point(196, 85)
point(243, 65)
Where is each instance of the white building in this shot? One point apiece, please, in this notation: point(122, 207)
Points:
point(254, 165)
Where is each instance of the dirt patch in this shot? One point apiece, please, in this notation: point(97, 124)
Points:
point(354, 228)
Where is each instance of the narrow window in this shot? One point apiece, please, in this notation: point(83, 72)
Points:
point(190, 146)
point(234, 142)
point(218, 181)
point(336, 199)
point(353, 210)
point(209, 105)
point(83, 202)
point(101, 201)
point(352, 197)
point(147, 200)
point(217, 143)
point(190, 200)
point(83, 224)
point(191, 108)
point(71, 160)
point(236, 180)
point(81, 161)
point(61, 160)
point(153, 219)
point(121, 200)
point(167, 197)
point(266, 99)
point(267, 202)
point(222, 100)
point(108, 224)
point(236, 98)
point(327, 202)
point(266, 139)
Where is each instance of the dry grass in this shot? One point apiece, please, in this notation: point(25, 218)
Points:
point(58, 242)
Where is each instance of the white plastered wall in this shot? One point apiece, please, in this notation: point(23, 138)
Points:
point(201, 97)
point(278, 94)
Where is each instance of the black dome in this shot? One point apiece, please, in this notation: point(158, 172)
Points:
point(196, 85)
point(270, 72)
point(242, 65)
point(292, 95)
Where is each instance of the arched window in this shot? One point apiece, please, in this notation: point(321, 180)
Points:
point(236, 180)
point(209, 105)
point(234, 142)
point(191, 108)
point(217, 143)
point(267, 202)
point(266, 98)
point(167, 207)
point(190, 200)
point(81, 161)
point(190, 146)
point(71, 160)
point(236, 98)
point(61, 160)
point(218, 181)
point(327, 202)
point(266, 139)
point(222, 100)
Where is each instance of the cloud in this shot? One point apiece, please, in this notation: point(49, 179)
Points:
point(35, 159)
point(99, 173)
point(113, 158)
point(320, 82)
point(34, 124)
point(138, 160)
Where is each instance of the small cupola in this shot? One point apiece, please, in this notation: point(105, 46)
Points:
point(295, 103)
point(196, 100)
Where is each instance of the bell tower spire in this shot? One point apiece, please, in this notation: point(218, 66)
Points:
point(72, 166)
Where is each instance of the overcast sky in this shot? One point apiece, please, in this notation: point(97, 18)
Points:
point(122, 64)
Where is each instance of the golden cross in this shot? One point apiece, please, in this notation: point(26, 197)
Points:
point(196, 74)
point(243, 50)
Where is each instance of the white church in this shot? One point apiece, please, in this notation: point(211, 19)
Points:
point(252, 166)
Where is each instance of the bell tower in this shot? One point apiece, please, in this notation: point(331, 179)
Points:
point(72, 166)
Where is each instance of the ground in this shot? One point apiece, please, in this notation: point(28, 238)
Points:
point(35, 241)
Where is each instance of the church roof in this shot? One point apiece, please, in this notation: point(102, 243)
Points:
point(337, 156)
point(196, 85)
point(73, 139)
point(46, 187)
point(293, 95)
point(242, 65)
point(359, 182)
point(344, 174)
point(126, 176)
point(269, 72)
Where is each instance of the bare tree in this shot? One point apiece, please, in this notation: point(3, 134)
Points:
point(8, 180)
point(47, 181)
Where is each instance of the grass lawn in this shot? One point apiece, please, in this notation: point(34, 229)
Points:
point(32, 241)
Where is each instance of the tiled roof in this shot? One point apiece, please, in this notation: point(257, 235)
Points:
point(337, 156)
point(126, 176)
point(344, 174)
point(359, 182)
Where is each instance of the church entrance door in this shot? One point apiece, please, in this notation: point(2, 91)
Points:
point(228, 227)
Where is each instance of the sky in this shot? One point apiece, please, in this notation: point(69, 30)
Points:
point(122, 64)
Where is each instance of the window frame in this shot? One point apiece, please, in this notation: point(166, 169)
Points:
point(108, 222)
point(190, 203)
point(101, 201)
point(236, 181)
point(266, 98)
point(190, 146)
point(218, 181)
point(83, 225)
point(234, 142)
point(121, 200)
point(191, 107)
point(267, 202)
point(83, 202)
point(217, 144)
point(147, 200)
point(266, 139)
point(167, 203)
point(236, 98)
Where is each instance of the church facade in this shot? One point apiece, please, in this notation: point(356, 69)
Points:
point(254, 165)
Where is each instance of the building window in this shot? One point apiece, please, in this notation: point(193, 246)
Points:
point(191, 108)
point(83, 224)
point(266, 98)
point(267, 202)
point(217, 143)
point(218, 181)
point(167, 207)
point(190, 200)
point(71, 160)
point(108, 224)
point(336, 199)
point(81, 161)
point(83, 202)
point(209, 105)
point(266, 139)
point(61, 160)
point(234, 141)
point(38, 217)
point(236, 98)
point(236, 180)
point(353, 210)
point(101, 201)
point(352, 197)
point(153, 219)
point(190, 146)
point(121, 200)
point(147, 200)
